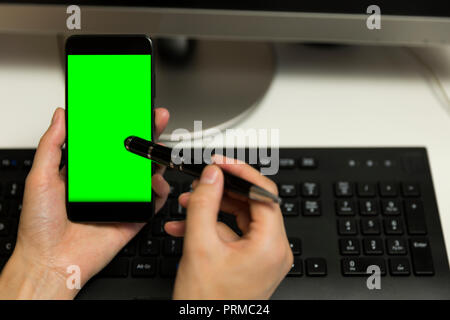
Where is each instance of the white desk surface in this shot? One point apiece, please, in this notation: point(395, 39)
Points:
point(346, 96)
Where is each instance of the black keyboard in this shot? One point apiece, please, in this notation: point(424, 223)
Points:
point(344, 210)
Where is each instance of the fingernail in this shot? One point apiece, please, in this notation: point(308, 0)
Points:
point(217, 158)
point(209, 175)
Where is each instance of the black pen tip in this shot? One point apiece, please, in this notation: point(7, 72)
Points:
point(127, 142)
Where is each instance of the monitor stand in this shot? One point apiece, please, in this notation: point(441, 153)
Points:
point(217, 82)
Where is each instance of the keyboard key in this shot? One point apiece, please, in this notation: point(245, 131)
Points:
point(308, 163)
point(347, 227)
point(349, 246)
point(415, 217)
point(14, 190)
point(297, 268)
point(26, 164)
point(173, 246)
point(158, 227)
point(129, 250)
point(358, 266)
point(5, 164)
point(14, 164)
point(3, 209)
point(287, 190)
point(6, 247)
point(150, 247)
point(169, 267)
point(296, 246)
point(368, 207)
point(143, 267)
point(370, 226)
point(289, 208)
point(410, 189)
point(393, 226)
point(177, 210)
point(5, 228)
point(422, 260)
point(366, 189)
point(343, 189)
point(146, 231)
point(118, 267)
point(396, 246)
point(311, 208)
point(399, 267)
point(310, 189)
point(287, 163)
point(390, 207)
point(174, 189)
point(187, 187)
point(373, 246)
point(316, 267)
point(345, 208)
point(387, 189)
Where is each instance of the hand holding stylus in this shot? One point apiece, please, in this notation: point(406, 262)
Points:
point(48, 242)
point(216, 262)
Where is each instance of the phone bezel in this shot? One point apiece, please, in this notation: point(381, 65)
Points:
point(108, 211)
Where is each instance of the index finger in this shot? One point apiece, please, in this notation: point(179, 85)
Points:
point(161, 119)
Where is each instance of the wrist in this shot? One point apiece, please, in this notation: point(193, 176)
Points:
point(23, 280)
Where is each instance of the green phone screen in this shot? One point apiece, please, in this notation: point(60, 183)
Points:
point(109, 99)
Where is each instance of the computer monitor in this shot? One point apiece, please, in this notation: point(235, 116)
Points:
point(223, 81)
point(409, 22)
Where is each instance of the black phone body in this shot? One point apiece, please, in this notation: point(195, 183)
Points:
point(109, 96)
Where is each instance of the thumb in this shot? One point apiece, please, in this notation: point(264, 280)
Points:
point(203, 206)
point(48, 153)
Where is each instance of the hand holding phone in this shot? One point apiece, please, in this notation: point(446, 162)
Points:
point(47, 242)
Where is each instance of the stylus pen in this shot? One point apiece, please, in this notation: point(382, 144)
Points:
point(163, 155)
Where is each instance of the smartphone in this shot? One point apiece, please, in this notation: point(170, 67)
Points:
point(109, 96)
